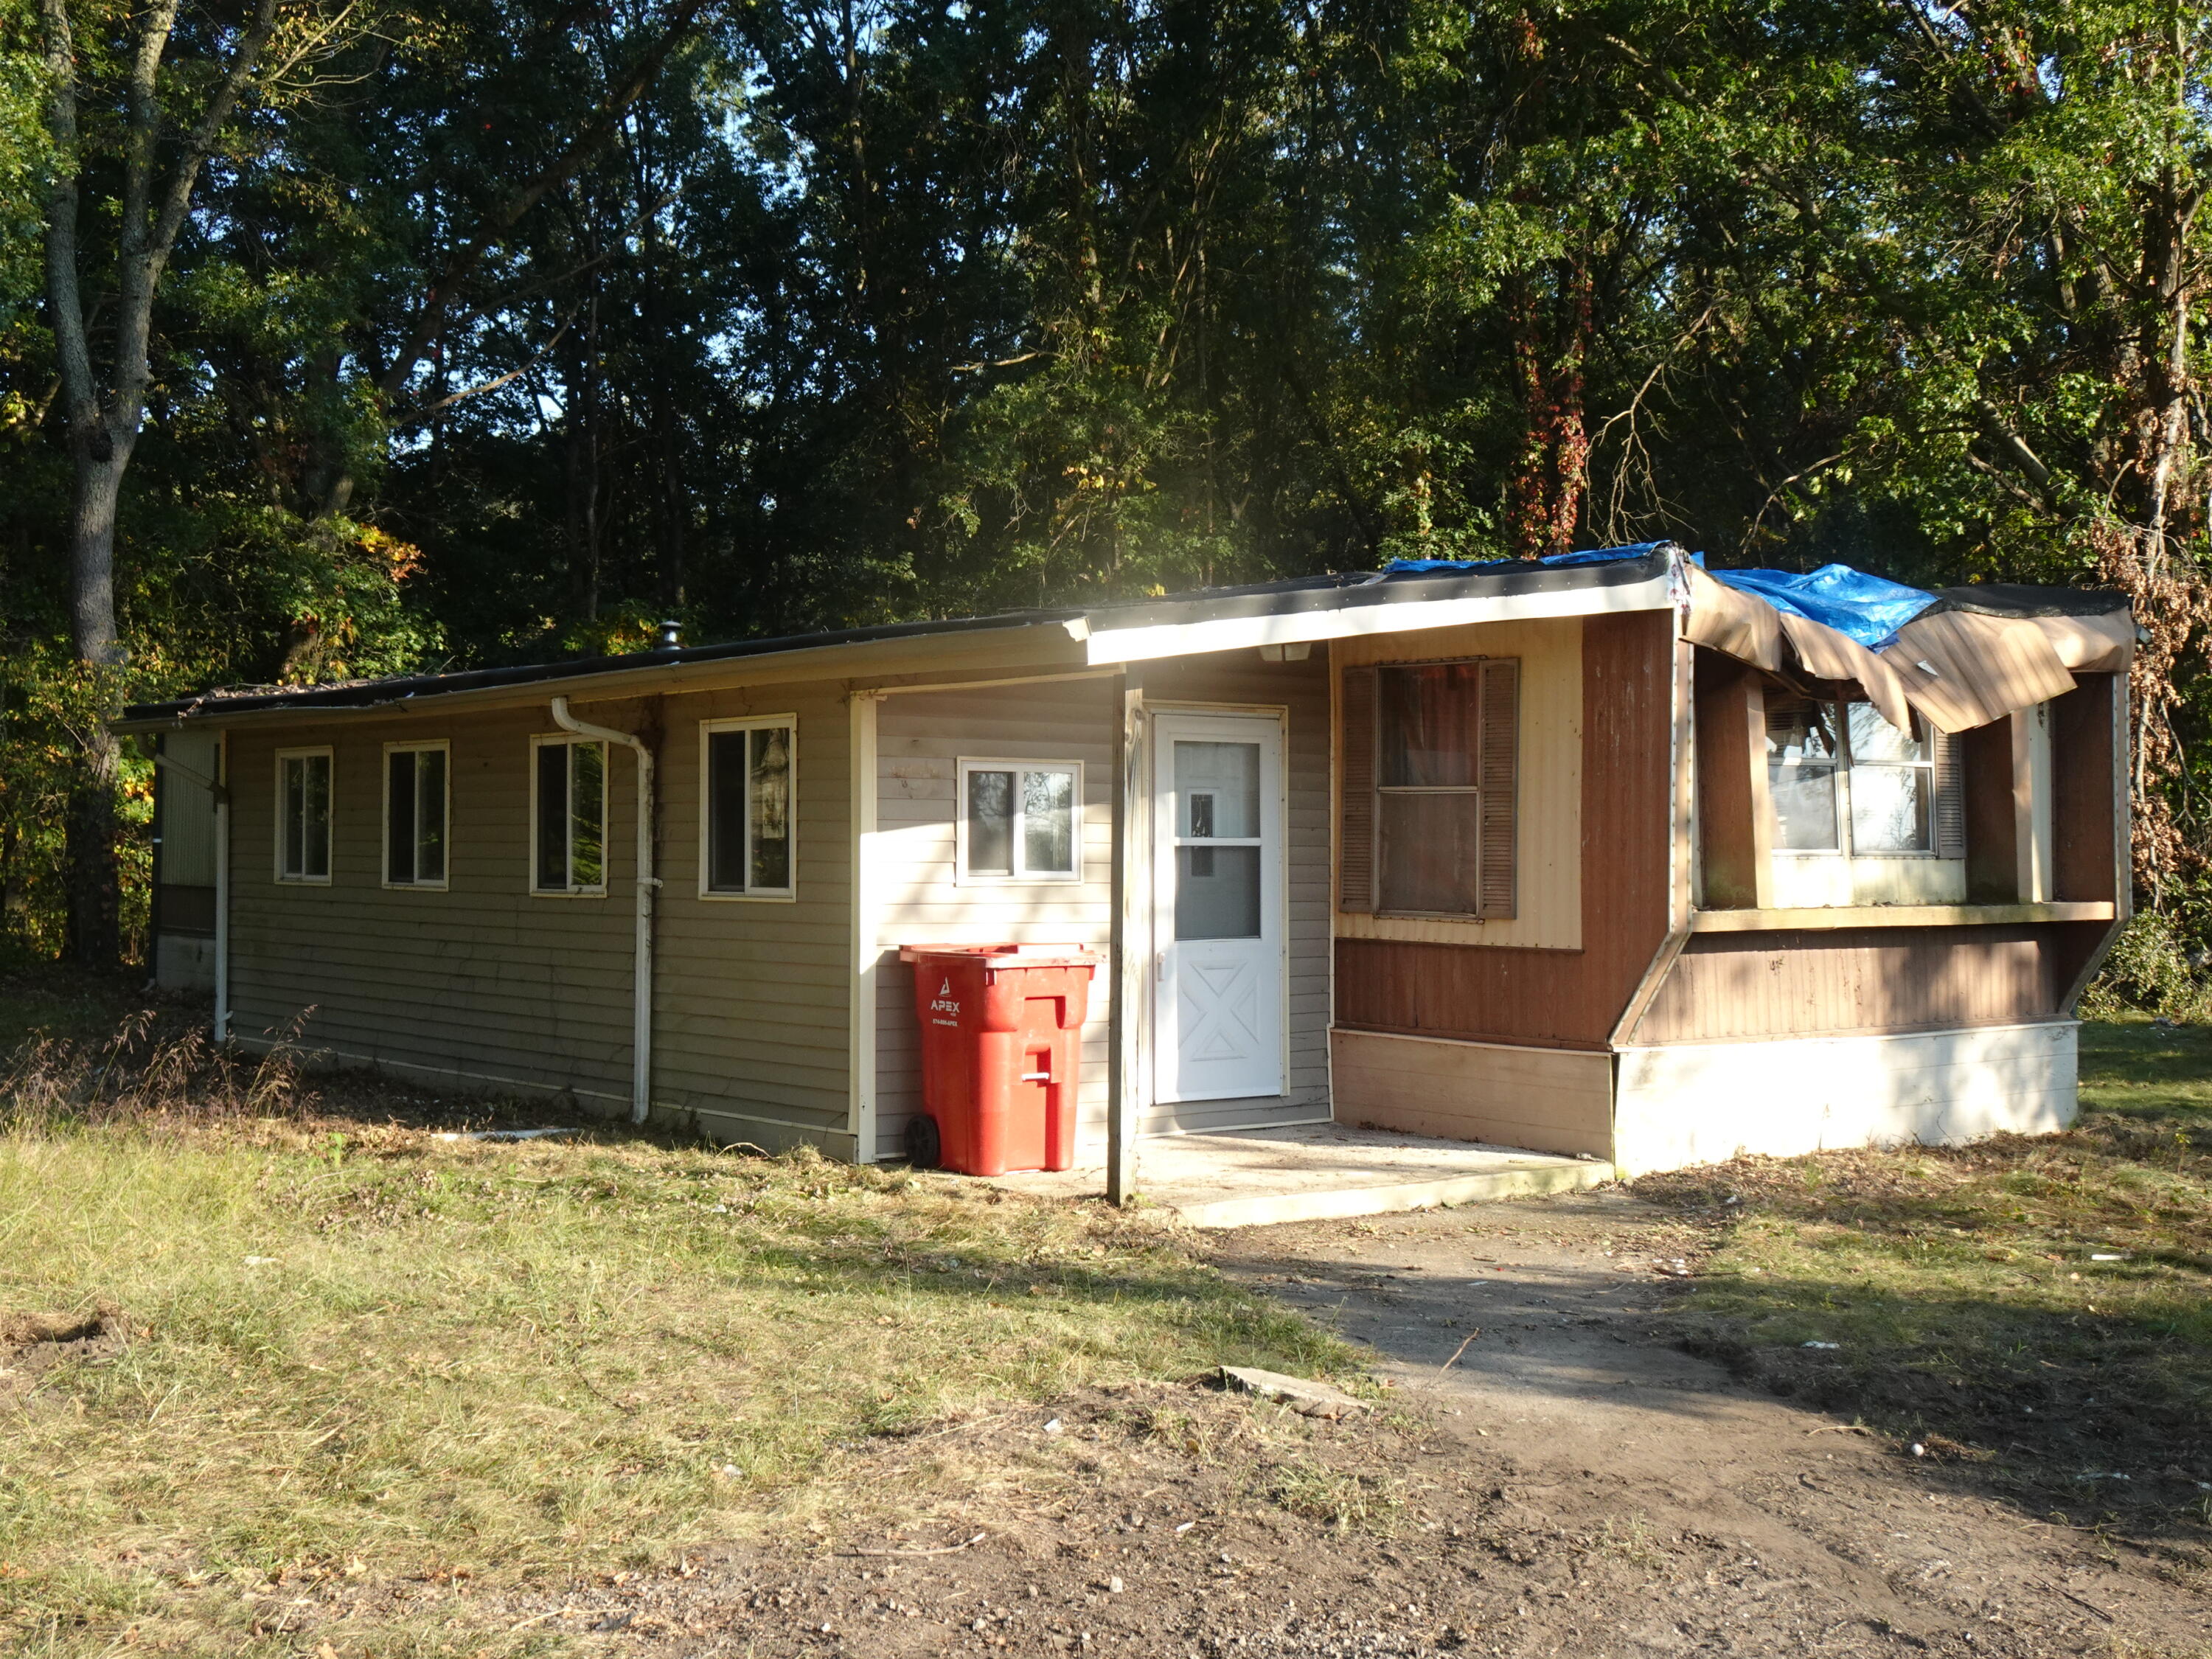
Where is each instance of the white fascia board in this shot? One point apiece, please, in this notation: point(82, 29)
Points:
point(1112, 645)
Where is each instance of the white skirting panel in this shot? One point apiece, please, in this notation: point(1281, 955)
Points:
point(1703, 1103)
point(184, 961)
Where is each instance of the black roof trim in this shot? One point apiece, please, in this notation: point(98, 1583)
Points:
point(372, 694)
point(2021, 599)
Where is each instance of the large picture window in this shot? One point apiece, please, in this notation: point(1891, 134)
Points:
point(569, 818)
point(746, 828)
point(1843, 780)
point(303, 815)
point(1020, 821)
point(415, 815)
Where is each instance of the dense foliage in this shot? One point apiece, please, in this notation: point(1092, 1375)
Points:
point(495, 329)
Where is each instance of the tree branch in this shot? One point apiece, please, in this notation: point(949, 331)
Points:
point(65, 297)
point(430, 315)
point(416, 417)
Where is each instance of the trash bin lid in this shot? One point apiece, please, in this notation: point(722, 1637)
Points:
point(1008, 955)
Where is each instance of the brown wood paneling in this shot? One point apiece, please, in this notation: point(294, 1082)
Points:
point(1795, 983)
point(1733, 841)
point(2085, 808)
point(1563, 999)
point(1992, 821)
point(186, 909)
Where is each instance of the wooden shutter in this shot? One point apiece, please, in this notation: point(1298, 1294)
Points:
point(1355, 845)
point(1950, 796)
point(1499, 742)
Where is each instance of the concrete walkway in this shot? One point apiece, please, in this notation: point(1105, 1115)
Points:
point(1318, 1172)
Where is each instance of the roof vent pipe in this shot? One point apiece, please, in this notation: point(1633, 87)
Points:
point(641, 1029)
point(671, 634)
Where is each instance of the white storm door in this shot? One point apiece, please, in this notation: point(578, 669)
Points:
point(1218, 906)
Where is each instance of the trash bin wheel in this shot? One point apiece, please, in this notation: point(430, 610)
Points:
point(923, 1149)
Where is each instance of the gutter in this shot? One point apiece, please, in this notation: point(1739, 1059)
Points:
point(647, 883)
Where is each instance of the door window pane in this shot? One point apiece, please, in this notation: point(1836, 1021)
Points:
point(990, 824)
point(1217, 892)
point(1218, 787)
point(1430, 847)
point(1048, 823)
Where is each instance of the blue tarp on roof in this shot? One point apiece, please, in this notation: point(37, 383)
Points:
point(1554, 561)
point(1867, 609)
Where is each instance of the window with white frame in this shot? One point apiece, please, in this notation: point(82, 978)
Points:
point(1843, 780)
point(568, 817)
point(415, 815)
point(746, 821)
point(1020, 821)
point(303, 815)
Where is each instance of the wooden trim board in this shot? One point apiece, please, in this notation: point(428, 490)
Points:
point(1897, 915)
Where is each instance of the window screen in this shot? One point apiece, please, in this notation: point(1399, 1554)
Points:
point(1843, 780)
point(1429, 804)
point(303, 808)
point(415, 817)
point(570, 856)
point(749, 809)
point(1020, 821)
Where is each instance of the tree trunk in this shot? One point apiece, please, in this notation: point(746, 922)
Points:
point(95, 899)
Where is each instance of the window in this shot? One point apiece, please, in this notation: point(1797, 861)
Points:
point(1843, 780)
point(1020, 821)
point(1443, 781)
point(303, 815)
point(747, 808)
point(415, 815)
point(569, 818)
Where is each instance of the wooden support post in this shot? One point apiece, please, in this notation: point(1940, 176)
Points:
point(1991, 806)
point(1131, 955)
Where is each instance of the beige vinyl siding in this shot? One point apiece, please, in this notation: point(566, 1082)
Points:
point(920, 738)
point(753, 994)
point(1548, 837)
point(487, 985)
point(1230, 680)
point(479, 985)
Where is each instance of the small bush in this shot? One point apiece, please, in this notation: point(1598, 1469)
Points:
point(2148, 972)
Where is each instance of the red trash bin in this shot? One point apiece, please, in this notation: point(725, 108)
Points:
point(1001, 1054)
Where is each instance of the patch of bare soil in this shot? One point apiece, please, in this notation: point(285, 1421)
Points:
point(31, 1345)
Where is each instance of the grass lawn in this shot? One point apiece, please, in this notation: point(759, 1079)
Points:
point(2039, 1308)
point(337, 1347)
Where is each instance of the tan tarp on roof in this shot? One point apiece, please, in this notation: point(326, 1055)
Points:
point(1961, 669)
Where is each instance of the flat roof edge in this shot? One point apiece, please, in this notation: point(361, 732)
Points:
point(364, 695)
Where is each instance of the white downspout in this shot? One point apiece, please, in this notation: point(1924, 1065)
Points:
point(223, 889)
point(640, 1036)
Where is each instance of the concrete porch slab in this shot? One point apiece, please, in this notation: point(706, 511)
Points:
point(1318, 1172)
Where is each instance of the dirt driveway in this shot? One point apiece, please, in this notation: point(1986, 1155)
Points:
point(1548, 1476)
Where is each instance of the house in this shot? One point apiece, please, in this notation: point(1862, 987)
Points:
point(1606, 855)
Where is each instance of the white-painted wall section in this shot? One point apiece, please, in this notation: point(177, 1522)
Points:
point(1687, 1103)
